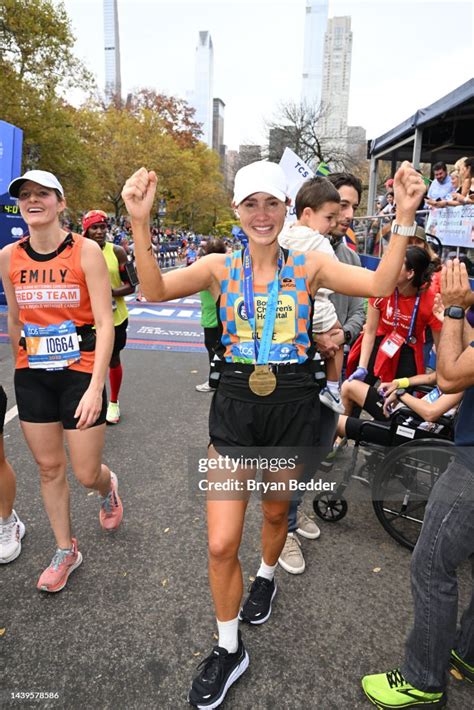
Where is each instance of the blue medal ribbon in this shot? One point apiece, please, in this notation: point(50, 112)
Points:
point(262, 348)
point(413, 315)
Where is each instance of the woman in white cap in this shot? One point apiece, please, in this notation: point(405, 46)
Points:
point(57, 289)
point(267, 396)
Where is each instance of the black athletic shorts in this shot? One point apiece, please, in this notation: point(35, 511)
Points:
point(44, 396)
point(3, 408)
point(287, 418)
point(120, 337)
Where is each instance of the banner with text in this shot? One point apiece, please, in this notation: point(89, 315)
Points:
point(454, 226)
point(296, 171)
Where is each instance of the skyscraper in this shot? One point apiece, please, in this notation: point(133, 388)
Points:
point(336, 77)
point(314, 30)
point(203, 86)
point(218, 130)
point(113, 78)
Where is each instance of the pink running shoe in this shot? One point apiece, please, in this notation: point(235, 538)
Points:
point(64, 562)
point(111, 509)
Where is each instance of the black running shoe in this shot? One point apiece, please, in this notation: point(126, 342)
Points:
point(217, 673)
point(258, 605)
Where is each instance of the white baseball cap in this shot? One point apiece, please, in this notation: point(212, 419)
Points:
point(42, 177)
point(261, 176)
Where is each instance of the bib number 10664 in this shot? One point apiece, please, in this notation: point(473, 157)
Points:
point(59, 344)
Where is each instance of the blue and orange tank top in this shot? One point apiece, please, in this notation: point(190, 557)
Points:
point(51, 289)
point(292, 337)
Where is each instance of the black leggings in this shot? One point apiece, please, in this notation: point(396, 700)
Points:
point(211, 341)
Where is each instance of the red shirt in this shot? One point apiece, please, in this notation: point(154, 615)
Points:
point(406, 305)
point(386, 367)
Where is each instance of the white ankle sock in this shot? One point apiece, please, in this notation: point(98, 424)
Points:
point(6, 521)
point(267, 571)
point(228, 634)
point(333, 387)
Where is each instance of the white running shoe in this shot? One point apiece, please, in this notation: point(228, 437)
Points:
point(11, 535)
point(205, 387)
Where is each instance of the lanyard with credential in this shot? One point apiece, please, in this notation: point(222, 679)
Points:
point(410, 337)
point(262, 349)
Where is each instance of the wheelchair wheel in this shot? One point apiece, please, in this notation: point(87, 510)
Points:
point(330, 509)
point(403, 484)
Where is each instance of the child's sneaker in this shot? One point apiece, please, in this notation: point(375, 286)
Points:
point(64, 562)
point(111, 508)
point(332, 400)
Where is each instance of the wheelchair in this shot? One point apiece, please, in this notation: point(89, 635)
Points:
point(403, 460)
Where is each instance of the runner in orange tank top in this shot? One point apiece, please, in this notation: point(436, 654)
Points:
point(57, 289)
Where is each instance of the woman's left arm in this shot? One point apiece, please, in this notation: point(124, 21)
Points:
point(98, 285)
point(355, 281)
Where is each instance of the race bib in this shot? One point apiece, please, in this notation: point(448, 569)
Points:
point(433, 395)
point(52, 347)
point(391, 344)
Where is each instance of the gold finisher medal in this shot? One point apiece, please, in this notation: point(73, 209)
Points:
point(262, 380)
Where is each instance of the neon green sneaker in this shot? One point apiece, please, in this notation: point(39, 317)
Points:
point(460, 669)
point(391, 690)
point(113, 413)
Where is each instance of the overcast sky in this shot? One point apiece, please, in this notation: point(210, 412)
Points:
point(406, 53)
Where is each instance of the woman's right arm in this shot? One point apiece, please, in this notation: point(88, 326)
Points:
point(14, 324)
point(138, 195)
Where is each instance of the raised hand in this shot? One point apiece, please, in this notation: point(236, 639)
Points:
point(409, 188)
point(455, 286)
point(139, 194)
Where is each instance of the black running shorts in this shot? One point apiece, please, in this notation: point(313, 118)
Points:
point(120, 338)
point(260, 422)
point(45, 396)
point(3, 408)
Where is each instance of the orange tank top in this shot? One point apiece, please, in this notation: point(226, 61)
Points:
point(51, 289)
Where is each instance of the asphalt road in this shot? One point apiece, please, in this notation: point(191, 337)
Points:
point(136, 618)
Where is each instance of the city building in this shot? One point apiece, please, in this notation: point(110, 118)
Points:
point(218, 129)
point(231, 167)
point(336, 78)
point(278, 140)
point(356, 143)
point(236, 159)
point(248, 154)
point(113, 78)
point(203, 84)
point(316, 19)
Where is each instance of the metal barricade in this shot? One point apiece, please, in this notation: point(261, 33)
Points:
point(370, 232)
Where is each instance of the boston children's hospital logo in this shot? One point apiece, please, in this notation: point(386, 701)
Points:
point(242, 313)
